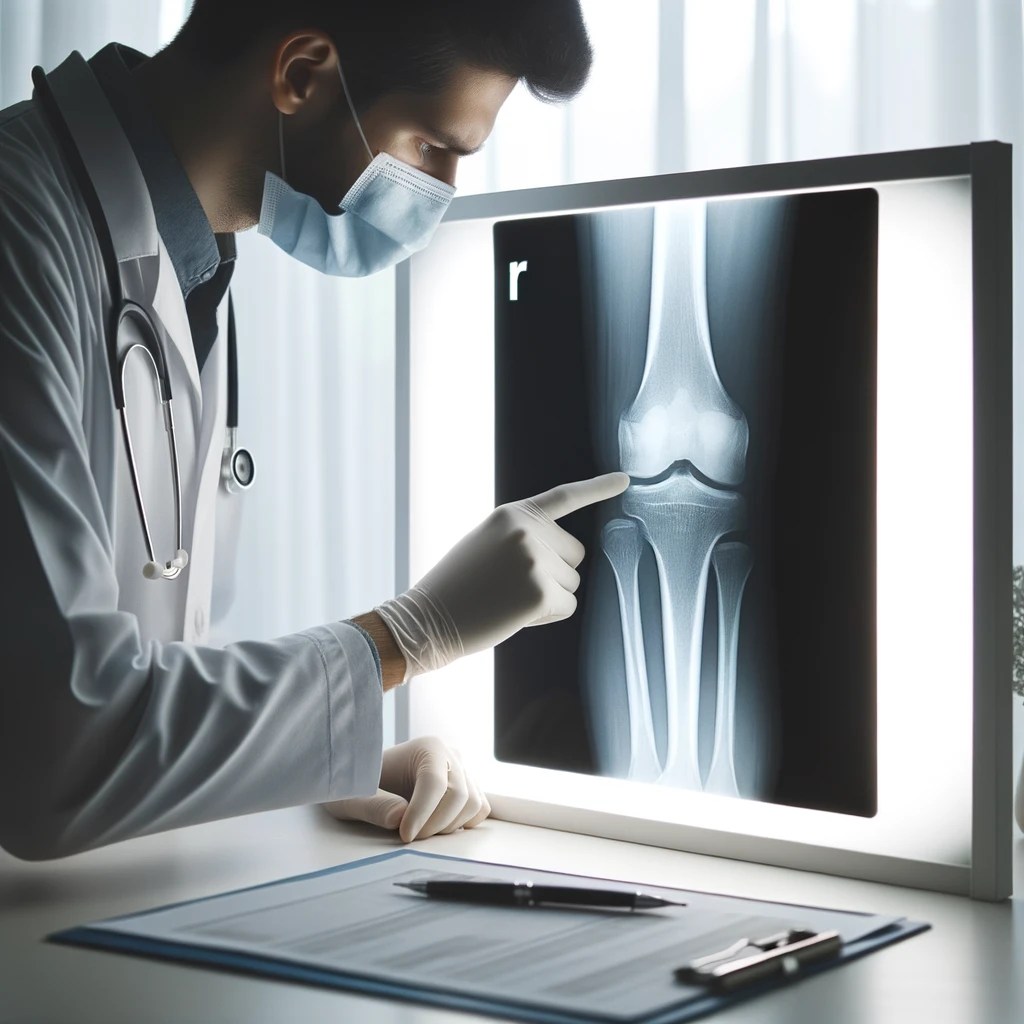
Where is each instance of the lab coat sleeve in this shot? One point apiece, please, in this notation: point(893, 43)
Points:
point(102, 736)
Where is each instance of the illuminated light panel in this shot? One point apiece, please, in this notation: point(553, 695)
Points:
point(924, 536)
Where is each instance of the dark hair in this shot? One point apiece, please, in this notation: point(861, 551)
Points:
point(411, 45)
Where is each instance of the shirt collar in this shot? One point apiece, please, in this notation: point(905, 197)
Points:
point(194, 249)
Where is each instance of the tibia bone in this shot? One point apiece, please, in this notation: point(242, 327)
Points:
point(622, 545)
point(682, 518)
point(681, 412)
point(732, 562)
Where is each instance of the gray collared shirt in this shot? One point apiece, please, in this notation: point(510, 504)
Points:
point(203, 261)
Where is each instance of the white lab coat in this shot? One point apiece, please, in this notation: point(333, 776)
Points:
point(115, 719)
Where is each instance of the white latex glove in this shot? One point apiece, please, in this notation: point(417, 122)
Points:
point(516, 569)
point(424, 790)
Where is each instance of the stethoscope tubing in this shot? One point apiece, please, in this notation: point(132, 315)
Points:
point(171, 569)
point(152, 344)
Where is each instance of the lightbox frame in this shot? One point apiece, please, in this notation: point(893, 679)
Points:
point(988, 165)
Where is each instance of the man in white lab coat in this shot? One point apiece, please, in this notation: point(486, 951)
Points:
point(116, 719)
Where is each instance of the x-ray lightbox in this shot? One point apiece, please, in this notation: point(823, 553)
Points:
point(792, 642)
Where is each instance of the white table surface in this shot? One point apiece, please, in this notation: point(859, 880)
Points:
point(969, 969)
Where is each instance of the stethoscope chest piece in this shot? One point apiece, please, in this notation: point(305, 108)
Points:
point(238, 469)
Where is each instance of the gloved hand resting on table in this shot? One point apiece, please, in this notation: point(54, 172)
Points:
point(516, 569)
point(424, 790)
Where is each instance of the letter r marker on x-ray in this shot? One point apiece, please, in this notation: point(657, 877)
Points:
point(514, 270)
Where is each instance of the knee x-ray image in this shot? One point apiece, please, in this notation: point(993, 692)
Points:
point(723, 354)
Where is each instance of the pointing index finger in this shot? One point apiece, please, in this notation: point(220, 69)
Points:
point(566, 498)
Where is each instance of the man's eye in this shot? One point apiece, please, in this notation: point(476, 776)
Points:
point(425, 150)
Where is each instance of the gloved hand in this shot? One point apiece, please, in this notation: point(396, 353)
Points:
point(516, 569)
point(424, 790)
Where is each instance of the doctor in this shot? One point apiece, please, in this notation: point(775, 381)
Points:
point(336, 127)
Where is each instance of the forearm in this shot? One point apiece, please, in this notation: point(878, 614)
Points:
point(392, 662)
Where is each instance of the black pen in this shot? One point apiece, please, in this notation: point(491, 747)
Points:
point(526, 894)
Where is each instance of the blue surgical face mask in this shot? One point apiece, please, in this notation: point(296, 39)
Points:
point(388, 214)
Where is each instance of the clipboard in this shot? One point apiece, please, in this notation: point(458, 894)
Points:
point(695, 999)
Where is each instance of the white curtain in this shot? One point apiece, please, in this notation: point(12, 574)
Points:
point(677, 85)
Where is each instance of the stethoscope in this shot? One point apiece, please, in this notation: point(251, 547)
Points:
point(237, 467)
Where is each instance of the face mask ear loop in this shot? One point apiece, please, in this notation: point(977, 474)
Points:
point(280, 143)
point(355, 116)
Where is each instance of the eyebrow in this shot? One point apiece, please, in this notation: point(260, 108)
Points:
point(449, 141)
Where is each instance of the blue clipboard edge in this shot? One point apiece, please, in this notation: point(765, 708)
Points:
point(284, 970)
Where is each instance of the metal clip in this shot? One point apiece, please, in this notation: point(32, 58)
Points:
point(783, 953)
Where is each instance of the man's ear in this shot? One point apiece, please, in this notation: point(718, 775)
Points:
point(303, 62)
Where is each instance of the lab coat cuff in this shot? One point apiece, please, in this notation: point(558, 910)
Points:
point(355, 707)
point(373, 648)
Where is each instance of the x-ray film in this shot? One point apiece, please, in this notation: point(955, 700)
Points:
point(723, 354)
